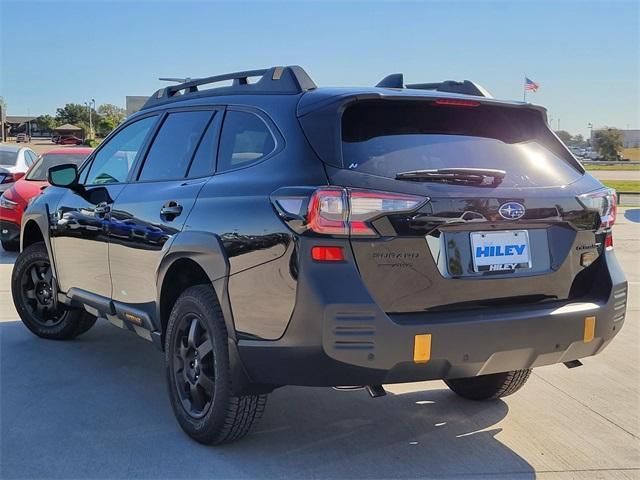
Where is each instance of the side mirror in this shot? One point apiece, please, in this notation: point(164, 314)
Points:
point(63, 175)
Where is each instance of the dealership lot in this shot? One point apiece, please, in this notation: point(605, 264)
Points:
point(97, 407)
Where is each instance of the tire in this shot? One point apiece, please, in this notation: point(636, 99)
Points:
point(10, 246)
point(33, 296)
point(200, 385)
point(489, 387)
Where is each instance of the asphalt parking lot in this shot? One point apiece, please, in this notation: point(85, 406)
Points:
point(97, 407)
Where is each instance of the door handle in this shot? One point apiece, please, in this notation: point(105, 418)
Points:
point(171, 209)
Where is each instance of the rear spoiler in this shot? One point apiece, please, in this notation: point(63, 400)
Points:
point(465, 87)
point(321, 119)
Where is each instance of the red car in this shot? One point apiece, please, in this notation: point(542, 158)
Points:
point(69, 140)
point(14, 200)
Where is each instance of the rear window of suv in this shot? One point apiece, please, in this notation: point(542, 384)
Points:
point(387, 138)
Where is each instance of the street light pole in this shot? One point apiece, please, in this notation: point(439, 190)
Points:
point(91, 104)
point(590, 125)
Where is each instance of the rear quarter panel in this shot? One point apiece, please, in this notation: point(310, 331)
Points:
point(259, 247)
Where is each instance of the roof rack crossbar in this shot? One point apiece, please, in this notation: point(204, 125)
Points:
point(291, 79)
point(193, 85)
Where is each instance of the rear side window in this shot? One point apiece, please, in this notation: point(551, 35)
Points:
point(173, 147)
point(387, 138)
point(204, 161)
point(245, 140)
point(30, 157)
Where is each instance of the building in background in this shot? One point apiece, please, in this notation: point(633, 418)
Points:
point(15, 124)
point(134, 103)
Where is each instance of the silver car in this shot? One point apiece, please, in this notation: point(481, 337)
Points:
point(14, 163)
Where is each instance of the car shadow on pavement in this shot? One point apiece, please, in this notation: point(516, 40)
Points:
point(97, 407)
point(7, 258)
point(632, 214)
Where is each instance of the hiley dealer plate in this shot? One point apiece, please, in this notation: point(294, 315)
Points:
point(498, 251)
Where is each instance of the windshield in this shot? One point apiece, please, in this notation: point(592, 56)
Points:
point(44, 163)
point(8, 158)
point(385, 140)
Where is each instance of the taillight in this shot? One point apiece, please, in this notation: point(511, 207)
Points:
point(11, 177)
point(608, 241)
point(340, 211)
point(604, 202)
point(327, 212)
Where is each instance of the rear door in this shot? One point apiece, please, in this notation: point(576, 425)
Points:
point(152, 209)
point(504, 228)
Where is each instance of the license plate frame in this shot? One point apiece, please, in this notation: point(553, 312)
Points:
point(500, 250)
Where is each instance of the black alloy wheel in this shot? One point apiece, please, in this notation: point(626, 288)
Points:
point(193, 366)
point(34, 292)
point(39, 295)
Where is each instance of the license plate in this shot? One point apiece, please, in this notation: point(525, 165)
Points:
point(500, 251)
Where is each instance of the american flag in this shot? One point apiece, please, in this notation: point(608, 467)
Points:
point(530, 85)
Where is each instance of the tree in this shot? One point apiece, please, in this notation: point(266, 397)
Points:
point(608, 143)
point(105, 125)
point(110, 117)
point(112, 111)
point(579, 141)
point(46, 123)
point(564, 136)
point(72, 113)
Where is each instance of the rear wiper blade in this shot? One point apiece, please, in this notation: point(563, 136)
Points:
point(462, 176)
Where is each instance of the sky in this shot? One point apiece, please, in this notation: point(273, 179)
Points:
point(584, 55)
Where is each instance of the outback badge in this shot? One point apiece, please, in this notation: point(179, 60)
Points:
point(511, 210)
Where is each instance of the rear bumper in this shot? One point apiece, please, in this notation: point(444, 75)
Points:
point(330, 341)
point(9, 231)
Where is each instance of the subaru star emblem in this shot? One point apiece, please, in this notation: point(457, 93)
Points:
point(511, 210)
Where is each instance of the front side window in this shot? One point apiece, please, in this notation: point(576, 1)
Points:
point(173, 147)
point(114, 161)
point(245, 140)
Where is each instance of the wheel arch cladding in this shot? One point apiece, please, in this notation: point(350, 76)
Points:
point(184, 272)
point(31, 234)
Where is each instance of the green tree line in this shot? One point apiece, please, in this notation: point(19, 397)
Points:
point(104, 119)
point(606, 141)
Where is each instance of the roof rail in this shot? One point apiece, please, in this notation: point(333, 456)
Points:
point(291, 79)
point(466, 87)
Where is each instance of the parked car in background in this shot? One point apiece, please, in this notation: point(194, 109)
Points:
point(23, 137)
point(55, 138)
point(69, 140)
point(14, 163)
point(15, 199)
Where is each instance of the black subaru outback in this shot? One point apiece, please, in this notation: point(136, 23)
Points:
point(270, 232)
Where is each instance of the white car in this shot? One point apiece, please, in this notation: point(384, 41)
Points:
point(14, 163)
